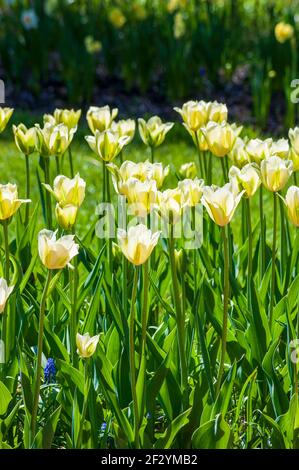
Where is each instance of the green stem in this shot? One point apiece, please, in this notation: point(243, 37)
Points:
point(57, 165)
point(110, 258)
point(295, 178)
point(271, 305)
point(225, 309)
point(262, 237)
point(202, 173)
point(6, 274)
point(125, 284)
point(249, 262)
point(47, 194)
point(74, 321)
point(179, 315)
point(132, 359)
point(121, 157)
point(27, 209)
point(71, 162)
point(152, 154)
point(6, 249)
point(104, 182)
point(223, 170)
point(38, 369)
point(144, 320)
point(87, 383)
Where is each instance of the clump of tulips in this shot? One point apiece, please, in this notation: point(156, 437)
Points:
point(173, 317)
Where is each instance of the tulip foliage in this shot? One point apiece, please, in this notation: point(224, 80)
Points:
point(171, 319)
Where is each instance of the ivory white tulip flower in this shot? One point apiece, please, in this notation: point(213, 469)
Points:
point(5, 292)
point(5, 115)
point(124, 127)
point(191, 191)
point(153, 131)
point(100, 119)
point(137, 243)
point(275, 173)
point(220, 202)
point(56, 254)
point(107, 145)
point(86, 345)
point(292, 203)
point(9, 200)
point(68, 190)
point(220, 138)
point(25, 139)
point(247, 178)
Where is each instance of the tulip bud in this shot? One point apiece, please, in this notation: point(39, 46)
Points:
point(275, 173)
point(107, 145)
point(294, 153)
point(86, 345)
point(283, 32)
point(292, 204)
point(56, 254)
point(66, 215)
point(68, 117)
point(124, 128)
point(68, 190)
point(280, 148)
point(248, 178)
point(140, 195)
point(137, 243)
point(258, 149)
point(238, 154)
point(9, 201)
point(100, 119)
point(188, 170)
point(191, 191)
point(53, 140)
point(197, 114)
point(153, 132)
point(220, 203)
point(170, 205)
point(5, 292)
point(25, 139)
point(5, 115)
point(220, 138)
point(179, 258)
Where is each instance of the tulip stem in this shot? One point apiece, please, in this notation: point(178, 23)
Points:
point(271, 305)
point(109, 220)
point(249, 270)
point(225, 309)
point(87, 383)
point(74, 322)
point(6, 248)
point(202, 173)
point(152, 154)
point(132, 358)
point(71, 162)
point(27, 209)
point(57, 165)
point(38, 369)
point(223, 170)
point(48, 195)
point(6, 273)
point(144, 319)
point(180, 317)
point(262, 237)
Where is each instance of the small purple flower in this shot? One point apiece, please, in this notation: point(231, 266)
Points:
point(50, 371)
point(202, 71)
point(103, 427)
